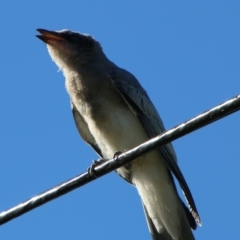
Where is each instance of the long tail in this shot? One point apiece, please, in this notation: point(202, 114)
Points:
point(164, 235)
point(155, 234)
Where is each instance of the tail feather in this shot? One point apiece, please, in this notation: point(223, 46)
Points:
point(164, 235)
point(190, 217)
point(166, 215)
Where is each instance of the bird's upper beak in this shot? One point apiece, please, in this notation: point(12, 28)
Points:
point(50, 37)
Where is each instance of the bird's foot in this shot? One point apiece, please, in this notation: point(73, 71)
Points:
point(128, 166)
point(95, 163)
point(116, 154)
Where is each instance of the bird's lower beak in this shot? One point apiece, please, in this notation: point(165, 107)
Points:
point(50, 37)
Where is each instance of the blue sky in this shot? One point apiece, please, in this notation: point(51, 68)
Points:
point(185, 54)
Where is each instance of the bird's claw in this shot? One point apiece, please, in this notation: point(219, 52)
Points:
point(116, 154)
point(91, 170)
point(128, 166)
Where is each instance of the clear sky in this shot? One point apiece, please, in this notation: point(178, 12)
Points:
point(185, 54)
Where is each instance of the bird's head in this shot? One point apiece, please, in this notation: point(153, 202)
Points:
point(70, 49)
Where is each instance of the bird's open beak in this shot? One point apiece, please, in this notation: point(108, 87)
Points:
point(50, 37)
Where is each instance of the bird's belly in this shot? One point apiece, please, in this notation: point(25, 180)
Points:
point(119, 131)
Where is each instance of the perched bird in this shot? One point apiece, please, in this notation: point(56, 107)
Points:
point(113, 113)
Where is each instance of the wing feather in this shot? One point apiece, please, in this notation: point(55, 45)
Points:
point(137, 98)
point(83, 130)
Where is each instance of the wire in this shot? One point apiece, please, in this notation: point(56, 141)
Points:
point(124, 158)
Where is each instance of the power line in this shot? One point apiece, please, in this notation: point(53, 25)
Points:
point(124, 158)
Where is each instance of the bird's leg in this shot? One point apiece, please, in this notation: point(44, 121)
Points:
point(95, 163)
point(116, 154)
point(98, 162)
point(128, 166)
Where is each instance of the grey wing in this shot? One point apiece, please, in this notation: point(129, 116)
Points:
point(137, 98)
point(83, 130)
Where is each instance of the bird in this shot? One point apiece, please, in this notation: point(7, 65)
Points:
point(113, 113)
